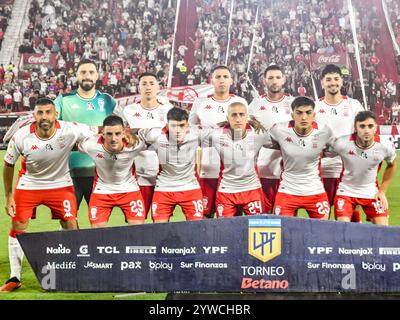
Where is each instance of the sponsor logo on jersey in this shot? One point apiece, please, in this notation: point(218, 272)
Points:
point(136, 114)
point(265, 238)
point(351, 152)
point(34, 147)
point(288, 139)
point(321, 111)
point(208, 107)
point(100, 156)
point(262, 108)
point(75, 106)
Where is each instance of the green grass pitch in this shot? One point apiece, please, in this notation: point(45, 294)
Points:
point(31, 289)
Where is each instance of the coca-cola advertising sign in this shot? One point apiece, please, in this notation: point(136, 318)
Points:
point(319, 60)
point(35, 60)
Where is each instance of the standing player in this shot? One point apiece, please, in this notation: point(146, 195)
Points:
point(238, 145)
point(44, 177)
point(301, 142)
point(338, 112)
point(176, 147)
point(362, 154)
point(207, 113)
point(89, 106)
point(149, 112)
point(271, 108)
point(115, 184)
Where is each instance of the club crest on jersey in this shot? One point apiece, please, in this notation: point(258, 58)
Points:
point(150, 115)
point(61, 142)
point(265, 238)
point(221, 109)
point(274, 109)
point(90, 105)
point(48, 147)
point(302, 143)
point(113, 157)
point(364, 155)
point(101, 103)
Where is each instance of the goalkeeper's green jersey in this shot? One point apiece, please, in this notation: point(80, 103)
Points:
point(72, 107)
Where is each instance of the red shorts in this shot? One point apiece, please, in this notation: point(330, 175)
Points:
point(270, 188)
point(209, 188)
point(131, 204)
point(61, 201)
point(331, 185)
point(344, 207)
point(164, 203)
point(251, 201)
point(316, 205)
point(147, 194)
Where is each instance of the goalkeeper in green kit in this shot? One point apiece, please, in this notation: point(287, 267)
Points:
point(89, 106)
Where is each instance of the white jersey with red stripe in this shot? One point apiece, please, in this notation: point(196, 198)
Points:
point(361, 165)
point(115, 172)
point(136, 116)
point(238, 158)
point(340, 118)
point(45, 161)
point(268, 113)
point(177, 161)
point(301, 155)
point(206, 113)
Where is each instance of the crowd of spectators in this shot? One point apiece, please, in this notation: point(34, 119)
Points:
point(125, 38)
point(5, 15)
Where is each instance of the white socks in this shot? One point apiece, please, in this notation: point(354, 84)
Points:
point(16, 256)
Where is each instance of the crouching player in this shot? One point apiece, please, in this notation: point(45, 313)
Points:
point(362, 154)
point(44, 177)
point(177, 183)
point(115, 184)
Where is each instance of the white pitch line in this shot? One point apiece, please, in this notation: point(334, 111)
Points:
point(128, 294)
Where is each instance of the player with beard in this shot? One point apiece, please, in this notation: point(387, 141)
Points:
point(269, 109)
point(84, 105)
point(89, 106)
point(338, 112)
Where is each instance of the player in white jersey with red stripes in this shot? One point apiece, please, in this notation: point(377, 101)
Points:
point(207, 113)
point(271, 108)
point(338, 112)
point(238, 145)
point(177, 182)
point(302, 142)
point(150, 112)
point(363, 153)
point(44, 178)
point(115, 183)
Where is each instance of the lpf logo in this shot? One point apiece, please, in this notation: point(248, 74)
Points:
point(265, 238)
point(93, 213)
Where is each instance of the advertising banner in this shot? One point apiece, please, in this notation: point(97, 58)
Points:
point(320, 60)
point(243, 254)
point(34, 60)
